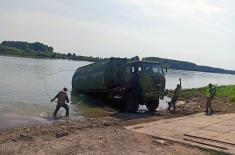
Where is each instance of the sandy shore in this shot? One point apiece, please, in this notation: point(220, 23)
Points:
point(103, 135)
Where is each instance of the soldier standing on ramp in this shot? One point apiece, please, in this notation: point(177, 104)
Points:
point(210, 93)
point(62, 98)
point(175, 96)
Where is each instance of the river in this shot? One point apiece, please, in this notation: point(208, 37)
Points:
point(27, 85)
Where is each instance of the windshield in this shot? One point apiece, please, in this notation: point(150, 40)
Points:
point(147, 67)
point(154, 69)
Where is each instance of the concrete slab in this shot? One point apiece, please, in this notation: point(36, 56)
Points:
point(231, 122)
point(219, 128)
point(227, 137)
point(214, 132)
point(203, 133)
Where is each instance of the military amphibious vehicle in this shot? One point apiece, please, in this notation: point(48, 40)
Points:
point(132, 83)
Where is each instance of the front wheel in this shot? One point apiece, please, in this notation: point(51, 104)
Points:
point(152, 105)
point(131, 102)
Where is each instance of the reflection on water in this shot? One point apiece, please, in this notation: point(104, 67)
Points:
point(27, 85)
point(91, 107)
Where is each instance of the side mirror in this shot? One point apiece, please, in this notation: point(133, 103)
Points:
point(166, 69)
point(166, 92)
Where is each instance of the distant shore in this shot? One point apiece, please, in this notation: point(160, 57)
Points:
point(59, 56)
point(189, 66)
point(42, 57)
point(39, 50)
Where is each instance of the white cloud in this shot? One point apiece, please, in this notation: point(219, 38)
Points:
point(199, 10)
point(196, 9)
point(177, 29)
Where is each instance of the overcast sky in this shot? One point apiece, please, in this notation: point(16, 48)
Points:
point(200, 31)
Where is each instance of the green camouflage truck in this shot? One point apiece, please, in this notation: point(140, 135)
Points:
point(132, 83)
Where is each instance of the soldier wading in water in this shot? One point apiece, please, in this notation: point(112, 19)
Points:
point(62, 98)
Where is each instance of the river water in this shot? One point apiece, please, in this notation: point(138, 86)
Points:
point(27, 85)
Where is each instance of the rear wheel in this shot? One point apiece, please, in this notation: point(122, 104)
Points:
point(152, 105)
point(131, 102)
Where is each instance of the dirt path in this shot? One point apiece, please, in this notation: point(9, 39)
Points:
point(96, 137)
point(104, 135)
point(92, 136)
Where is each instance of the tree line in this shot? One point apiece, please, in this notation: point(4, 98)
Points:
point(39, 50)
point(184, 65)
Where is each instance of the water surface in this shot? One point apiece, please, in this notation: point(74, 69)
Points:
point(27, 85)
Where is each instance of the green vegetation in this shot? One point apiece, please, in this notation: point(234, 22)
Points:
point(184, 65)
point(188, 94)
point(38, 50)
point(30, 47)
point(5, 50)
point(226, 91)
point(221, 91)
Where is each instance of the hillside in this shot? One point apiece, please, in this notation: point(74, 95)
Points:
point(38, 50)
point(184, 65)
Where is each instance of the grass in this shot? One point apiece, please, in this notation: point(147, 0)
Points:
point(226, 91)
point(221, 91)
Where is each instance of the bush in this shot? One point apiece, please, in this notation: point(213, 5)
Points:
point(221, 91)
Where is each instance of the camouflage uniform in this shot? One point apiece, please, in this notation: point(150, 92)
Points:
point(210, 93)
point(62, 97)
point(174, 98)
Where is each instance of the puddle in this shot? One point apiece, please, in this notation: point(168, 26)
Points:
point(90, 107)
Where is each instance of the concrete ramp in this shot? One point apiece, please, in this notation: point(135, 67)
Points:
point(216, 132)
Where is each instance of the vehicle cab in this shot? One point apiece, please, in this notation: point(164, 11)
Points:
point(146, 80)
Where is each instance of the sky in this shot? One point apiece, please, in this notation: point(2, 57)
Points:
point(199, 31)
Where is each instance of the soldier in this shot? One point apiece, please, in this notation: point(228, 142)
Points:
point(175, 96)
point(62, 98)
point(210, 93)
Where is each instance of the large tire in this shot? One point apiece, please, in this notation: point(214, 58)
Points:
point(152, 105)
point(131, 103)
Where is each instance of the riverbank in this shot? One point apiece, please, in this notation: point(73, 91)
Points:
point(224, 101)
point(106, 135)
point(39, 51)
point(55, 56)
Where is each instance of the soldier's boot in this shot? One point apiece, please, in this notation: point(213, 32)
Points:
point(212, 111)
point(174, 107)
point(56, 110)
point(169, 106)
